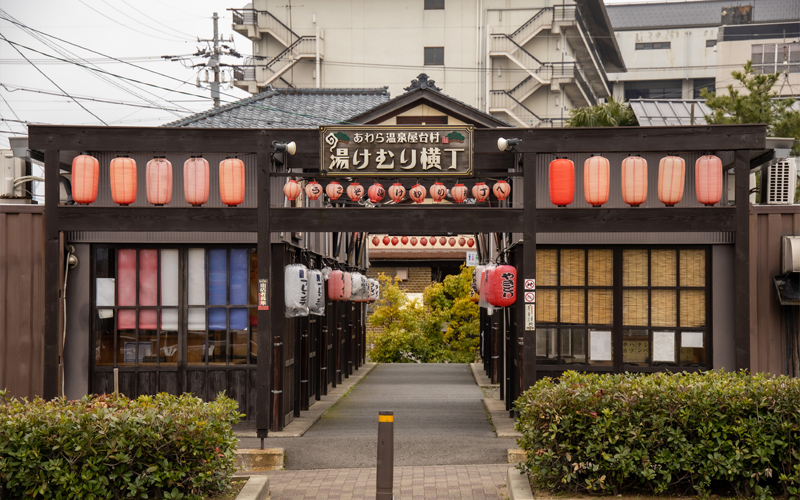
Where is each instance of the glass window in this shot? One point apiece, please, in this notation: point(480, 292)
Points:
point(653, 45)
point(434, 4)
point(434, 56)
point(711, 43)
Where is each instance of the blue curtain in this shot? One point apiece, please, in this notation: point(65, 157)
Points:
point(217, 287)
point(239, 287)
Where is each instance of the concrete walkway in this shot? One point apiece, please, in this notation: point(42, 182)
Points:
point(439, 419)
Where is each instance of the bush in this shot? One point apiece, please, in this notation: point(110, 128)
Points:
point(713, 431)
point(160, 446)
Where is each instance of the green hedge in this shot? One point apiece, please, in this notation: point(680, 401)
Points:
point(677, 433)
point(160, 446)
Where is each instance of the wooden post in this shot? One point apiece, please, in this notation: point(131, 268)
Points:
point(528, 265)
point(264, 250)
point(277, 327)
point(52, 286)
point(741, 262)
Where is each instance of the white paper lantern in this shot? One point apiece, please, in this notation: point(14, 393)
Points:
point(295, 290)
point(375, 290)
point(361, 288)
point(316, 293)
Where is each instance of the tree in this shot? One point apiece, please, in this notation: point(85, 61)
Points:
point(612, 113)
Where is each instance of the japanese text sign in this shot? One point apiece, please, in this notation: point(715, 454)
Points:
point(395, 151)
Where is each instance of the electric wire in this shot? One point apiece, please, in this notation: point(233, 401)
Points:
point(156, 20)
point(125, 25)
point(75, 96)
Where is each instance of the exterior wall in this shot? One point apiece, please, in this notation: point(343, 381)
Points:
point(722, 300)
point(423, 110)
point(78, 338)
point(733, 55)
point(22, 300)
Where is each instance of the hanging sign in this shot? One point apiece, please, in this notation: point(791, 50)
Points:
point(263, 305)
point(530, 297)
point(395, 151)
point(530, 317)
point(530, 284)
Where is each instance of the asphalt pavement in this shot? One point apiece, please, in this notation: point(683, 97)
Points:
point(439, 419)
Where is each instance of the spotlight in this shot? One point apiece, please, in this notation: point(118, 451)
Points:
point(506, 144)
point(288, 147)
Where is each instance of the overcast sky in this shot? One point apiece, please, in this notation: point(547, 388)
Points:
point(136, 31)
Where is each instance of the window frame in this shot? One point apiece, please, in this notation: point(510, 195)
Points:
point(425, 56)
point(433, 5)
point(776, 66)
point(652, 46)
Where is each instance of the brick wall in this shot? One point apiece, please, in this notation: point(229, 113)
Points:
point(419, 278)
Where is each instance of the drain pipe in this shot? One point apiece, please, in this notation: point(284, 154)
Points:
point(71, 263)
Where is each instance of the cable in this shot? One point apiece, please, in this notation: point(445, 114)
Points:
point(157, 21)
point(121, 103)
point(125, 25)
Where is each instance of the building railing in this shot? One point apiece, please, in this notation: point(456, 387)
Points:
point(266, 71)
point(504, 43)
point(542, 18)
point(573, 71)
point(572, 13)
point(264, 21)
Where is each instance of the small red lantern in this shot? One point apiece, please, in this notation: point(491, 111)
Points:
point(634, 180)
point(423, 241)
point(442, 240)
point(395, 241)
point(195, 181)
point(562, 182)
point(501, 190)
point(502, 291)
point(708, 179)
point(671, 173)
point(417, 193)
point(459, 193)
point(438, 191)
point(413, 241)
point(432, 241)
point(375, 241)
point(355, 191)
point(470, 242)
point(85, 175)
point(123, 180)
point(404, 240)
point(340, 285)
point(596, 179)
point(158, 177)
point(461, 242)
point(397, 192)
point(231, 181)
point(480, 191)
point(386, 240)
point(334, 190)
point(313, 190)
point(291, 189)
point(376, 193)
point(452, 242)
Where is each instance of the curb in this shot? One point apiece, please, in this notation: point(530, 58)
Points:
point(253, 460)
point(518, 486)
point(517, 456)
point(503, 424)
point(256, 488)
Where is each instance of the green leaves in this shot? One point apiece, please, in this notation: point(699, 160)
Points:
point(611, 113)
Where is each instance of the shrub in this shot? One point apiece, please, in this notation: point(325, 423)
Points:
point(712, 431)
point(160, 446)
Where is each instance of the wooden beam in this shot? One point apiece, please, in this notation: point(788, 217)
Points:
point(264, 337)
point(741, 263)
point(79, 218)
point(52, 261)
point(614, 220)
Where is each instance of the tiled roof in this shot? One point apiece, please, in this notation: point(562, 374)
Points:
point(660, 112)
point(289, 108)
point(696, 13)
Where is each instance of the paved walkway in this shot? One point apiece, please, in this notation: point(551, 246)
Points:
point(459, 482)
point(439, 419)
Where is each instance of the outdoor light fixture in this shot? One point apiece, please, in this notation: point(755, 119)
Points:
point(288, 147)
point(506, 144)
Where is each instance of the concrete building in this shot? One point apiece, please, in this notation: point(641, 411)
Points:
point(525, 62)
point(674, 50)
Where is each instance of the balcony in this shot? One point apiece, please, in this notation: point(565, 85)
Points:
point(257, 73)
point(254, 23)
point(568, 18)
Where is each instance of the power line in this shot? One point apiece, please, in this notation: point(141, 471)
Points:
point(122, 103)
point(127, 16)
point(156, 20)
point(125, 25)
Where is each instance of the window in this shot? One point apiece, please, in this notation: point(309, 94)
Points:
point(653, 89)
point(704, 83)
point(434, 4)
point(434, 56)
point(653, 46)
point(776, 57)
point(152, 303)
point(711, 43)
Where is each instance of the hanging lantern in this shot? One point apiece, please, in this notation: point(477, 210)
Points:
point(404, 240)
point(459, 193)
point(596, 179)
point(158, 177)
point(375, 290)
point(461, 242)
point(432, 241)
point(295, 290)
point(708, 179)
point(442, 240)
point(397, 192)
point(634, 180)
point(423, 241)
point(474, 294)
point(339, 285)
point(417, 193)
point(452, 242)
point(480, 191)
point(291, 189)
point(85, 175)
point(502, 290)
point(376, 193)
point(334, 190)
point(231, 181)
point(501, 190)
point(195, 181)
point(313, 190)
point(386, 240)
point(395, 241)
point(123, 180)
point(360, 288)
point(438, 191)
point(671, 173)
point(470, 242)
point(375, 241)
point(355, 191)
point(316, 293)
point(562, 182)
point(413, 241)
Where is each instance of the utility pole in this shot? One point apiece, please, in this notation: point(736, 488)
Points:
point(213, 61)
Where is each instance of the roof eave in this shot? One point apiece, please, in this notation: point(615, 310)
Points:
point(599, 26)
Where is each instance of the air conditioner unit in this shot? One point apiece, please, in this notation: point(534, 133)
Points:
point(12, 168)
point(781, 182)
point(791, 254)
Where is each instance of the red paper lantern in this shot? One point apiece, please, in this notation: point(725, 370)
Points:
point(438, 191)
point(375, 241)
point(470, 242)
point(459, 193)
point(413, 241)
point(291, 189)
point(313, 190)
point(231, 181)
point(340, 285)
point(158, 177)
point(417, 193)
point(423, 241)
point(195, 181)
point(442, 240)
point(501, 190)
point(334, 190)
point(404, 240)
point(708, 179)
point(461, 242)
point(671, 173)
point(502, 291)
point(355, 191)
point(376, 193)
point(386, 240)
point(395, 241)
point(85, 175)
point(596, 179)
point(452, 242)
point(123, 180)
point(634, 180)
point(562, 182)
point(480, 191)
point(432, 241)
point(397, 192)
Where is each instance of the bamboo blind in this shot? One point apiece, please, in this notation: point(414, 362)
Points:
point(634, 267)
point(693, 308)
point(634, 307)
point(547, 267)
point(663, 269)
point(601, 267)
point(601, 307)
point(546, 306)
point(664, 304)
point(573, 267)
point(573, 306)
point(693, 268)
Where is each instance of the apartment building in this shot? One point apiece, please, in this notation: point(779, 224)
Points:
point(525, 62)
